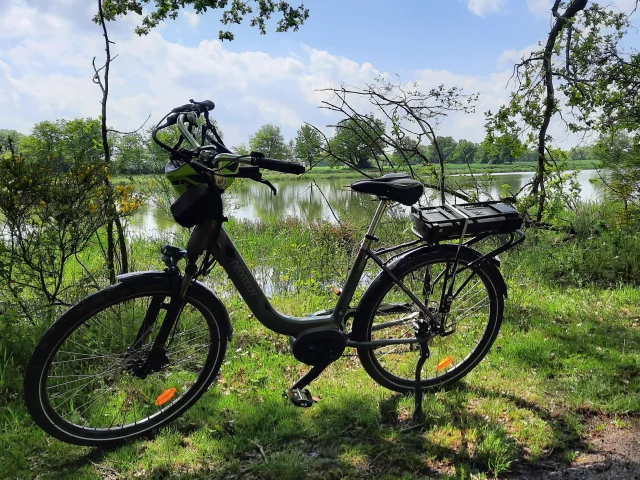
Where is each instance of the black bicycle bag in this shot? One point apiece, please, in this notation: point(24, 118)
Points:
point(197, 204)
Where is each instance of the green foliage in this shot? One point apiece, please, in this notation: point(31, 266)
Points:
point(48, 216)
point(54, 197)
point(260, 11)
point(63, 143)
point(357, 141)
point(447, 147)
point(131, 155)
point(581, 69)
point(241, 149)
point(619, 153)
point(464, 152)
point(9, 139)
point(269, 140)
point(500, 150)
point(308, 145)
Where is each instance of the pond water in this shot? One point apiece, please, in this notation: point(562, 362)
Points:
point(327, 199)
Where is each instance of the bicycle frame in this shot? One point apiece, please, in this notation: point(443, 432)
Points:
point(224, 252)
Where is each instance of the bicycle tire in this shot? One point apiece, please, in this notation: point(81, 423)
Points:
point(84, 328)
point(451, 356)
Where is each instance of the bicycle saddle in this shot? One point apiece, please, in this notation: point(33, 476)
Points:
point(395, 186)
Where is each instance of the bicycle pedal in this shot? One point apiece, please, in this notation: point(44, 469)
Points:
point(300, 398)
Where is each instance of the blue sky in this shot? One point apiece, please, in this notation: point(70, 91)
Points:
point(396, 36)
point(46, 47)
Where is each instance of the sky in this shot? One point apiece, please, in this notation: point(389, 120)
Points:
point(47, 47)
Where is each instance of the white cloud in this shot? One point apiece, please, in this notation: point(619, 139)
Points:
point(483, 7)
point(193, 19)
point(512, 56)
point(540, 8)
point(46, 74)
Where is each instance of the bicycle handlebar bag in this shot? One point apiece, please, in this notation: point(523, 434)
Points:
point(197, 204)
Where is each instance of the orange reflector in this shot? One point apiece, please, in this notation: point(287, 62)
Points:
point(165, 396)
point(337, 290)
point(444, 363)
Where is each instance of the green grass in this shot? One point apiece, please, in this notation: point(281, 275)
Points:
point(568, 350)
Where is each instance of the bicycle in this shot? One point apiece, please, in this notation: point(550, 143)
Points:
point(137, 354)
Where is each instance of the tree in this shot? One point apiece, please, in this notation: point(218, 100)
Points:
point(307, 146)
point(464, 152)
point(260, 11)
point(9, 139)
point(131, 155)
point(447, 148)
point(620, 154)
point(582, 58)
point(406, 147)
point(241, 149)
point(63, 142)
point(269, 140)
point(51, 203)
point(291, 151)
point(358, 141)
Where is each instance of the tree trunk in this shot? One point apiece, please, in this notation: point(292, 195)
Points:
point(115, 220)
point(538, 187)
point(122, 243)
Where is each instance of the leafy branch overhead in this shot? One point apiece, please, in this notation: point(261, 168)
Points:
point(411, 115)
point(580, 74)
point(259, 13)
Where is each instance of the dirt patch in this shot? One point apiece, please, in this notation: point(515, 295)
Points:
point(610, 452)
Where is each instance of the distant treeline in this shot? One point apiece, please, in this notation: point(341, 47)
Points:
point(136, 153)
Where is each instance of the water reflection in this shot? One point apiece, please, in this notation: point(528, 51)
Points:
point(326, 199)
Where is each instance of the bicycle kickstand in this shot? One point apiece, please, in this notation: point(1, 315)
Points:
point(424, 354)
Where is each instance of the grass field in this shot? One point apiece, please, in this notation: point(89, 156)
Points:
point(566, 363)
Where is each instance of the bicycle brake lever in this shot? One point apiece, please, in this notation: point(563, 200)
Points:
point(270, 185)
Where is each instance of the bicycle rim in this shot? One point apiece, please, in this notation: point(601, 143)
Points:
point(91, 382)
point(471, 324)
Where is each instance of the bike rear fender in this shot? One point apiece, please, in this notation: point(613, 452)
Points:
point(451, 250)
point(211, 300)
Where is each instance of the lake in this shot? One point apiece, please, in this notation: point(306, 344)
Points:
point(328, 199)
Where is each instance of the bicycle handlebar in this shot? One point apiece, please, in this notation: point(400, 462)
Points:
point(199, 107)
point(280, 166)
point(180, 114)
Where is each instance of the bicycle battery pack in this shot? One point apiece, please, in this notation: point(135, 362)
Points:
point(197, 204)
point(435, 224)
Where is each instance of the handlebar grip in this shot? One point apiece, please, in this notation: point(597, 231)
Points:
point(280, 166)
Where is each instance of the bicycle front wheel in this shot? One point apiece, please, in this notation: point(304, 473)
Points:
point(84, 383)
point(472, 322)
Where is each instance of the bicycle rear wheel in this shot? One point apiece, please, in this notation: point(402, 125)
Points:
point(387, 312)
point(84, 384)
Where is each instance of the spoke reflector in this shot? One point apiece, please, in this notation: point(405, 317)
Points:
point(165, 396)
point(444, 363)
